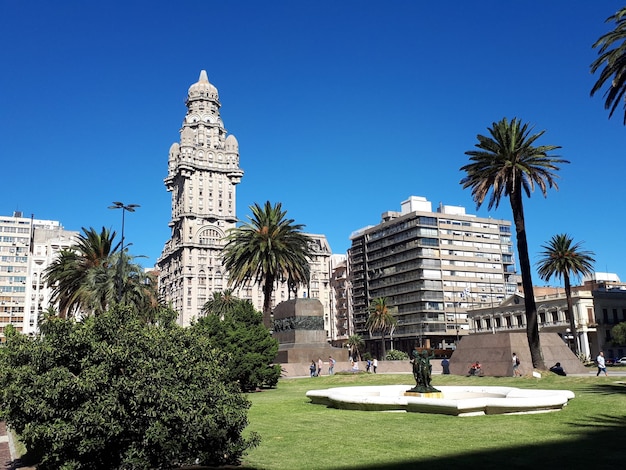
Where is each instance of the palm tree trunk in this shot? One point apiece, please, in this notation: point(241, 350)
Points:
point(532, 326)
point(267, 302)
point(570, 309)
point(383, 346)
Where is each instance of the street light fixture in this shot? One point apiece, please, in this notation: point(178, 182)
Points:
point(129, 208)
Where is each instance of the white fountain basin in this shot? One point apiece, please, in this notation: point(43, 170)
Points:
point(455, 400)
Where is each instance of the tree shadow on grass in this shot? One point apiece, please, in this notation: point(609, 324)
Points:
point(607, 389)
point(592, 444)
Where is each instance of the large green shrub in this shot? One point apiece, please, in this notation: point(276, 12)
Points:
point(248, 347)
point(395, 355)
point(112, 392)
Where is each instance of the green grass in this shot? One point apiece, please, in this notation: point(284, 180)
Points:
point(589, 432)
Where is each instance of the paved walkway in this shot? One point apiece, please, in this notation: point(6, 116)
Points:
point(6, 456)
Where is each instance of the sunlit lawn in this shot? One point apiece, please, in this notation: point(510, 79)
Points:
point(589, 432)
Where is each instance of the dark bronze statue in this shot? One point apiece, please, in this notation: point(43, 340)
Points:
point(422, 371)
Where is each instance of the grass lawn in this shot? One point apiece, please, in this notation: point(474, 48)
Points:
point(588, 433)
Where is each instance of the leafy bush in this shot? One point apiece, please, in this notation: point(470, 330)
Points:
point(395, 355)
point(248, 347)
point(112, 392)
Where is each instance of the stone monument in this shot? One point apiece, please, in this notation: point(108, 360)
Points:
point(299, 329)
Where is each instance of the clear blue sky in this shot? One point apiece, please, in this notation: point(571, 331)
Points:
point(342, 109)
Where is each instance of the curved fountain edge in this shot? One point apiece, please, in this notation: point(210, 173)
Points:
point(456, 401)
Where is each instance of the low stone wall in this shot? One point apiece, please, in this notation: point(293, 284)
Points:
point(384, 367)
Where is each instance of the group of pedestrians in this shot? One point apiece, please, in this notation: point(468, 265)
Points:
point(316, 367)
point(371, 364)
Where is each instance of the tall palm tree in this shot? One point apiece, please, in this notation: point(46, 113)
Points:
point(269, 248)
point(508, 164)
point(380, 319)
point(563, 258)
point(612, 56)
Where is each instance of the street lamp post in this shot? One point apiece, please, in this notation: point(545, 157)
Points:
point(129, 208)
point(568, 337)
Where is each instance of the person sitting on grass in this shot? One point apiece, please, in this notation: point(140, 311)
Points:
point(475, 369)
point(557, 369)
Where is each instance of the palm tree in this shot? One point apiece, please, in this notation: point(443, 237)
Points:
point(562, 258)
point(84, 277)
point(221, 303)
point(380, 319)
point(508, 164)
point(67, 274)
point(355, 344)
point(269, 248)
point(612, 56)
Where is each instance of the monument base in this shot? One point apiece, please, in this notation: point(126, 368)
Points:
point(299, 329)
point(494, 352)
point(423, 395)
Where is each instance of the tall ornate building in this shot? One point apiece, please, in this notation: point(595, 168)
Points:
point(203, 172)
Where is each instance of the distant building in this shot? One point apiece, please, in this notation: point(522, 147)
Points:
point(341, 310)
point(27, 247)
point(599, 304)
point(431, 266)
point(203, 172)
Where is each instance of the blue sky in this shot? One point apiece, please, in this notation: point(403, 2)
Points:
point(342, 109)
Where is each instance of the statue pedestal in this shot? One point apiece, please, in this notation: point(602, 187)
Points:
point(299, 329)
point(424, 395)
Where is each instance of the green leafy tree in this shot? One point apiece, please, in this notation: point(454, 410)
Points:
point(236, 329)
point(507, 163)
point(356, 345)
point(612, 59)
point(562, 258)
point(618, 334)
point(112, 392)
point(267, 249)
point(84, 278)
point(380, 319)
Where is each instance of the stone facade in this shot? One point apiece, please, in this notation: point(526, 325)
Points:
point(495, 352)
point(203, 172)
point(299, 328)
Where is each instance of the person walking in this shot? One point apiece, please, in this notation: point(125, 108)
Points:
point(375, 364)
point(312, 368)
point(331, 365)
point(320, 364)
point(516, 364)
point(601, 364)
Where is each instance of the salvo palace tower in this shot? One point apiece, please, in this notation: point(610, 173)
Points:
point(203, 172)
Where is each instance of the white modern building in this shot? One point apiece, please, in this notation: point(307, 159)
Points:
point(431, 266)
point(27, 247)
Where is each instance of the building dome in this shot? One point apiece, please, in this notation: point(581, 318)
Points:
point(202, 89)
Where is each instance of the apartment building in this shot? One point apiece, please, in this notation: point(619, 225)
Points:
point(27, 246)
point(432, 267)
